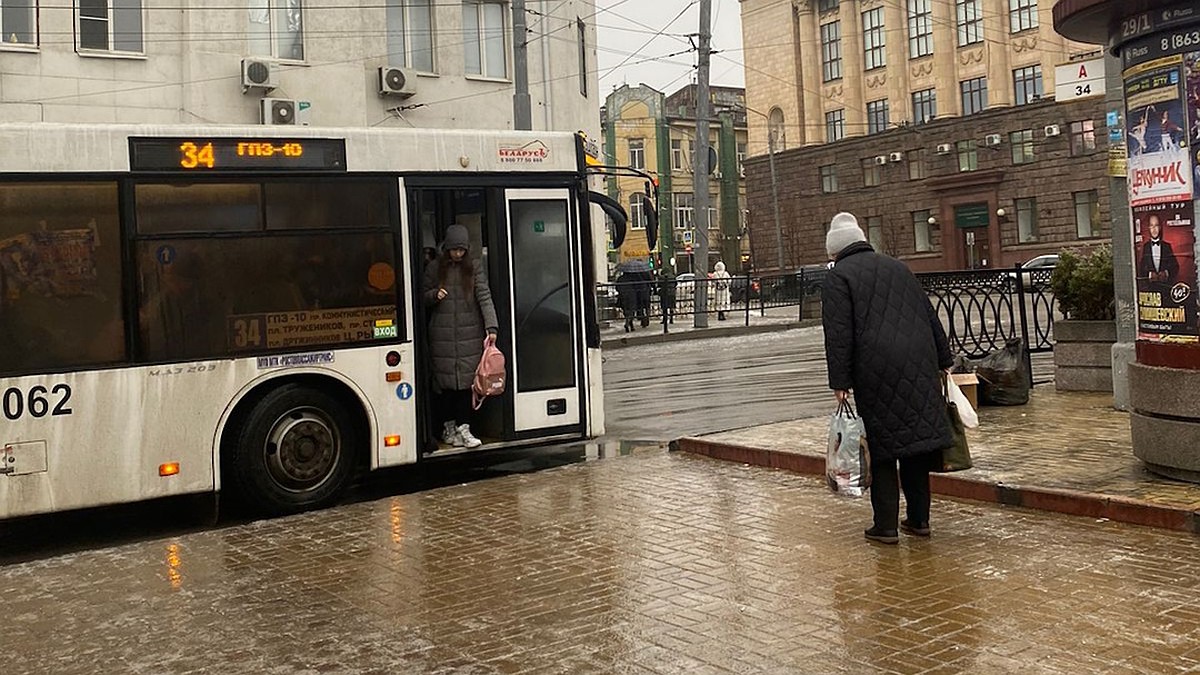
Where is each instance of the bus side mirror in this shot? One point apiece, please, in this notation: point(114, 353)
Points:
point(615, 213)
point(651, 211)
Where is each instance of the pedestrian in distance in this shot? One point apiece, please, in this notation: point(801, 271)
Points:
point(885, 343)
point(627, 297)
point(721, 282)
point(462, 317)
point(666, 293)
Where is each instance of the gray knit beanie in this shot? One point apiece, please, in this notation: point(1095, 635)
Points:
point(456, 237)
point(843, 231)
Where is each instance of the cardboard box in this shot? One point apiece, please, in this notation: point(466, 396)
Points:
point(969, 385)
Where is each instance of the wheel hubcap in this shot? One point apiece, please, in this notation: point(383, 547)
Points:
point(302, 450)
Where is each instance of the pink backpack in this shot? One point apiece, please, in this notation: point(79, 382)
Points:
point(489, 375)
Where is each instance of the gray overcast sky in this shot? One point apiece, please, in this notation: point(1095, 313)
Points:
point(622, 28)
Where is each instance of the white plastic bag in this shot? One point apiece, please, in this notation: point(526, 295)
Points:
point(847, 462)
point(965, 411)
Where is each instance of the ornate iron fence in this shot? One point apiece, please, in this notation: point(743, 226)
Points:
point(980, 309)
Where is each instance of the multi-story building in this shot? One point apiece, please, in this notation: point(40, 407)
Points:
point(648, 130)
point(334, 63)
point(933, 120)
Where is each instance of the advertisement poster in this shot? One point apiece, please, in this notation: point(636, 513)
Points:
point(1156, 130)
point(1165, 266)
point(1191, 69)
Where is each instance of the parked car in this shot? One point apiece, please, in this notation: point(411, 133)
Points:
point(1028, 278)
point(807, 281)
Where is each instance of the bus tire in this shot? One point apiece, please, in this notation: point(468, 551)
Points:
point(294, 450)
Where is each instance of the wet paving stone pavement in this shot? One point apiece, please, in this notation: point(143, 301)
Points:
point(650, 563)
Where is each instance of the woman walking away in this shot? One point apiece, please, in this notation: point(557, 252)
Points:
point(884, 342)
point(461, 311)
point(720, 279)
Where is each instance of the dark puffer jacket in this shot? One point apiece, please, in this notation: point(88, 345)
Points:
point(884, 341)
point(457, 325)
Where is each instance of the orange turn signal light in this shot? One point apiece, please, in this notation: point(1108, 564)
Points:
point(394, 376)
point(168, 469)
point(391, 441)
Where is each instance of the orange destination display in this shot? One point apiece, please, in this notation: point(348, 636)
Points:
point(223, 155)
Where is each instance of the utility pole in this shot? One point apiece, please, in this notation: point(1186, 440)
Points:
point(700, 169)
point(771, 133)
point(522, 114)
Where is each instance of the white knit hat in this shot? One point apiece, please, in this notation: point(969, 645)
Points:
point(843, 231)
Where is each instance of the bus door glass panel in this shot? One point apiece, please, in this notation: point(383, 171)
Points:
point(545, 312)
point(60, 276)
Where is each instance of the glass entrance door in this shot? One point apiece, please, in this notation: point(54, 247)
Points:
point(545, 310)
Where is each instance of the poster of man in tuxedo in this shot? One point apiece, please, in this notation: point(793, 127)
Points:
point(1165, 263)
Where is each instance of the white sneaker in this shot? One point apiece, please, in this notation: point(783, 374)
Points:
point(451, 436)
point(467, 438)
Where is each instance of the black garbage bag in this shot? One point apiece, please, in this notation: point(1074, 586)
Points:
point(1004, 375)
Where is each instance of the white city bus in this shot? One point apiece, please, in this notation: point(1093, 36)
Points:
point(186, 309)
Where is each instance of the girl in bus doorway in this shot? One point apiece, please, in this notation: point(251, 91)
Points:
point(461, 318)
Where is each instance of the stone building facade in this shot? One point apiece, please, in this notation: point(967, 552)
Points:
point(821, 70)
point(983, 191)
point(649, 130)
point(185, 62)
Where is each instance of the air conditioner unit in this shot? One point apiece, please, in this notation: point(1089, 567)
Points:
point(1052, 130)
point(258, 74)
point(394, 81)
point(991, 139)
point(881, 159)
point(943, 148)
point(896, 157)
point(284, 111)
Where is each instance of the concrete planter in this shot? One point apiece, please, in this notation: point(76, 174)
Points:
point(1083, 355)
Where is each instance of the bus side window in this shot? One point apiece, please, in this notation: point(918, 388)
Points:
point(60, 276)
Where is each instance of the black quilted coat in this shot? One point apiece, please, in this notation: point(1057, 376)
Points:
point(884, 342)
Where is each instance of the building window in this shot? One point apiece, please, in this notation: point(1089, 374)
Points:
point(916, 164)
point(835, 125)
point(1027, 225)
point(974, 95)
point(685, 208)
point(410, 34)
point(677, 159)
point(924, 104)
point(637, 153)
point(829, 182)
point(1027, 84)
point(827, 5)
point(874, 39)
point(741, 159)
point(970, 22)
point(921, 235)
point(872, 173)
point(581, 29)
point(276, 29)
point(484, 45)
point(637, 211)
point(831, 51)
point(1083, 137)
point(920, 28)
point(875, 232)
point(1022, 146)
point(104, 25)
point(877, 116)
point(18, 22)
point(1022, 15)
point(968, 159)
point(1087, 213)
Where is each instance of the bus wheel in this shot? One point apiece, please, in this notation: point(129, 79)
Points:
point(294, 450)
